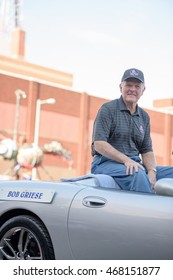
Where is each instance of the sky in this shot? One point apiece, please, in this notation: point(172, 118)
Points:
point(97, 40)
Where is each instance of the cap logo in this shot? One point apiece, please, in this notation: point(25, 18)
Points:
point(134, 72)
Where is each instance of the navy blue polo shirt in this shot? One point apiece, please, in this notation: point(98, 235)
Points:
point(128, 133)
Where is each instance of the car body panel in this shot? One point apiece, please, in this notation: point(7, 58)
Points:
point(126, 226)
point(91, 222)
point(53, 215)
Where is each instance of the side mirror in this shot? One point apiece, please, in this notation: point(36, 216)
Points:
point(164, 187)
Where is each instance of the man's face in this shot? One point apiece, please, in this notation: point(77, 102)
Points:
point(132, 89)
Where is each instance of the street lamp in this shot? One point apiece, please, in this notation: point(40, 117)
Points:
point(19, 94)
point(37, 124)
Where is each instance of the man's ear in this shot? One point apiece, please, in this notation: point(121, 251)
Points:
point(120, 86)
point(143, 89)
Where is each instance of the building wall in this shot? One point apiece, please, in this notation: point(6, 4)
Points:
point(22, 67)
point(65, 121)
point(162, 136)
point(69, 121)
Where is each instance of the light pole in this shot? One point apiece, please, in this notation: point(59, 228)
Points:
point(19, 94)
point(37, 124)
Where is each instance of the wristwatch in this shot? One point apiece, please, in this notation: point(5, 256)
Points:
point(154, 169)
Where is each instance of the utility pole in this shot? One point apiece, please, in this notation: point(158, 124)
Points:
point(19, 94)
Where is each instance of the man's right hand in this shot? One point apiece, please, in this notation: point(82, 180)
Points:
point(132, 166)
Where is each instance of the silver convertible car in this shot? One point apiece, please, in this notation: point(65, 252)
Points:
point(87, 217)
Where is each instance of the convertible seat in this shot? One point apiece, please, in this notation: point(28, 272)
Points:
point(98, 180)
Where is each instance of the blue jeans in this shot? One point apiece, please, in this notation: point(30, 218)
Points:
point(136, 182)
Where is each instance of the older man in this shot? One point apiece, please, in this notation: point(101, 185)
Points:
point(122, 145)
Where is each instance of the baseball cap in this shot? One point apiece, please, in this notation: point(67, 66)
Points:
point(133, 73)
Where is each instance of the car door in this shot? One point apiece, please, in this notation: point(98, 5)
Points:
point(115, 224)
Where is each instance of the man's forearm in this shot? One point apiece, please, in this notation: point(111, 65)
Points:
point(108, 151)
point(149, 161)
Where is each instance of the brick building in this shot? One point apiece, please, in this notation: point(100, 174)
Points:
point(69, 120)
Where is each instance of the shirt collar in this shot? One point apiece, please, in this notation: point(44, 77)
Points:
point(122, 106)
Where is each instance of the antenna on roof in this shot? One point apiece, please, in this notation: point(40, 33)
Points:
point(11, 34)
point(17, 14)
point(10, 15)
